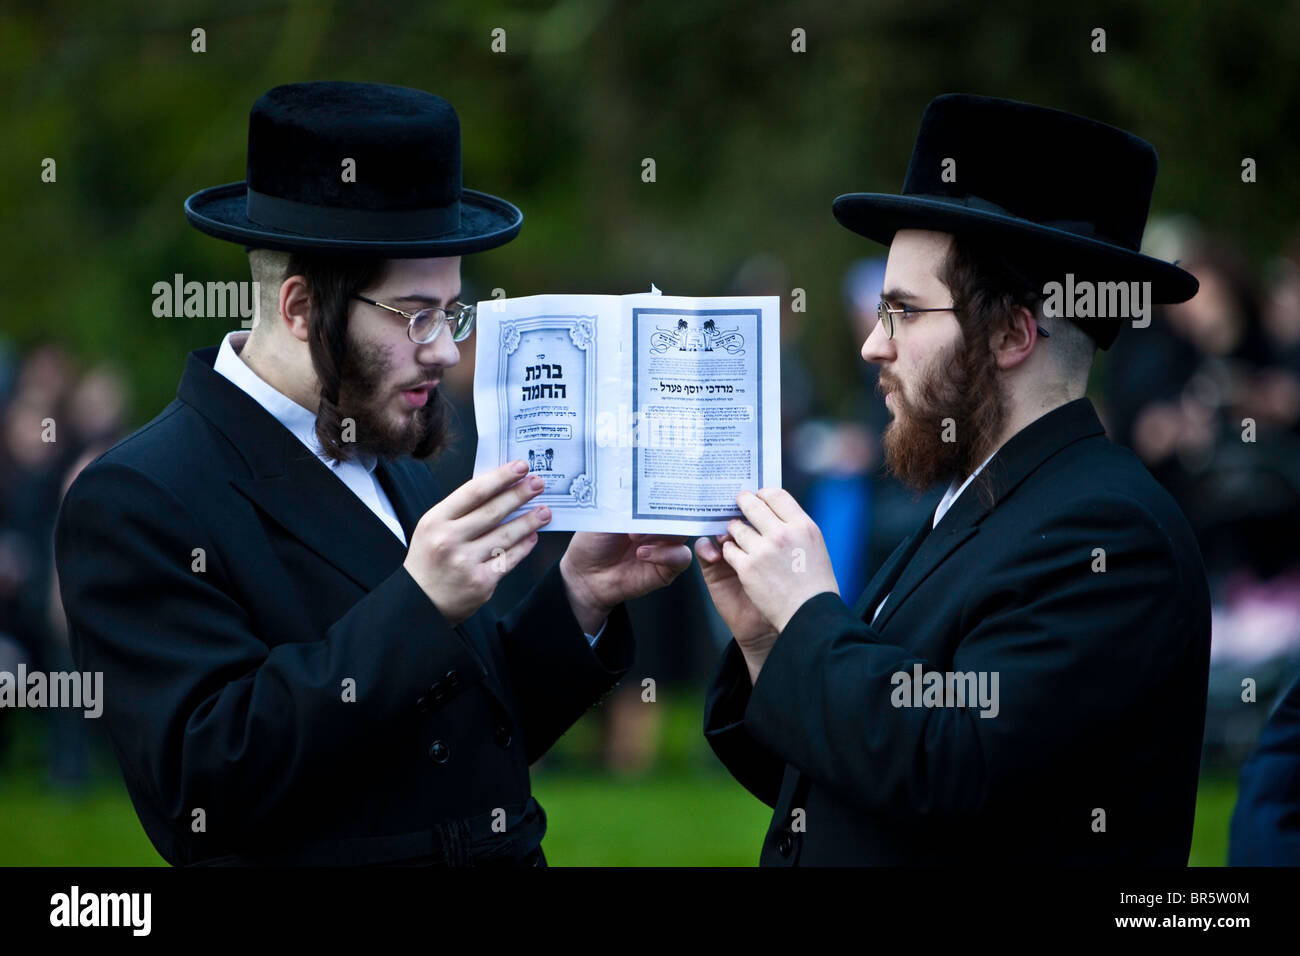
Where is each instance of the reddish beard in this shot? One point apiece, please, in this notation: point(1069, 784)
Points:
point(960, 385)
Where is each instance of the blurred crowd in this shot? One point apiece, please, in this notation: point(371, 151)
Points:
point(57, 416)
point(1208, 396)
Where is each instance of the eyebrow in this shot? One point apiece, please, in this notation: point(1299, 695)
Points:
point(432, 301)
point(900, 296)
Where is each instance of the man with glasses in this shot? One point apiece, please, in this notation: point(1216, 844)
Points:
point(1024, 679)
point(289, 615)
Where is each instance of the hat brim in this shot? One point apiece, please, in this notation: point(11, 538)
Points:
point(485, 223)
point(878, 216)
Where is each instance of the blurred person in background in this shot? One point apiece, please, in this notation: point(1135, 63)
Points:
point(1207, 400)
point(1282, 327)
point(1265, 828)
point(36, 445)
point(96, 417)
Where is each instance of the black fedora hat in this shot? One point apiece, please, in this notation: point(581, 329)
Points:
point(1056, 191)
point(403, 200)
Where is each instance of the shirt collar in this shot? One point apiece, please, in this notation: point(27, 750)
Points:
point(299, 420)
point(954, 492)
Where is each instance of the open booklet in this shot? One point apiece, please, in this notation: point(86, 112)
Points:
point(642, 413)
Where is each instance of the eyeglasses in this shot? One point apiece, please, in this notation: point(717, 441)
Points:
point(886, 316)
point(423, 327)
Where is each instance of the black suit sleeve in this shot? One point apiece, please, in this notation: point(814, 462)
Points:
point(555, 672)
point(759, 771)
point(205, 714)
point(1073, 649)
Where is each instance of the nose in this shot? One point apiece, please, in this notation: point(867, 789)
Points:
point(878, 347)
point(442, 351)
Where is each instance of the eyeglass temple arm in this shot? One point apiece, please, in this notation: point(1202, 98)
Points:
point(405, 315)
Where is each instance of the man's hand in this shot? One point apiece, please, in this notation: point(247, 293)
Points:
point(780, 560)
point(458, 554)
point(601, 571)
point(752, 631)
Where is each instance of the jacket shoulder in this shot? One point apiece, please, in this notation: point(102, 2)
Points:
point(177, 448)
point(1095, 491)
point(1096, 473)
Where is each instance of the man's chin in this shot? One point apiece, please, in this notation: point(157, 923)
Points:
point(398, 435)
point(913, 459)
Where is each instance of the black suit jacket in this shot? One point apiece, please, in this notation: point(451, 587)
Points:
point(233, 590)
point(1102, 679)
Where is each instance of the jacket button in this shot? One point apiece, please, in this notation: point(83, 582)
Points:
point(785, 846)
point(437, 691)
point(452, 679)
point(503, 738)
point(422, 703)
point(439, 752)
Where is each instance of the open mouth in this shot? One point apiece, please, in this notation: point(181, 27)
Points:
point(418, 397)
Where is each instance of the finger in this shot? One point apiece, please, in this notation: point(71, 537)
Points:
point(782, 503)
point(481, 489)
point(675, 556)
point(706, 550)
point(505, 536)
point(732, 554)
point(491, 513)
point(508, 560)
point(742, 535)
point(757, 512)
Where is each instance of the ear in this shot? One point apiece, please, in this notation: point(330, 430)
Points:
point(1013, 344)
point(295, 306)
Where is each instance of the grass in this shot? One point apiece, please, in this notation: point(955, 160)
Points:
point(686, 812)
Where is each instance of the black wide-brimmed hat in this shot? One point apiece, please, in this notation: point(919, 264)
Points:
point(400, 197)
point(1055, 192)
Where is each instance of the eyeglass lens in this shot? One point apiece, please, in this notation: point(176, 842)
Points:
point(428, 324)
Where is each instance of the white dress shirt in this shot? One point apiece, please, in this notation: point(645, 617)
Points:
point(949, 498)
point(358, 474)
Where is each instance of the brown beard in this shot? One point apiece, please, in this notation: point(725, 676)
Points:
point(362, 375)
point(961, 385)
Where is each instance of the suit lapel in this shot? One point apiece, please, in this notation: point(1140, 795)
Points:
point(290, 484)
point(296, 490)
point(933, 550)
point(1014, 462)
point(884, 579)
point(316, 507)
point(404, 494)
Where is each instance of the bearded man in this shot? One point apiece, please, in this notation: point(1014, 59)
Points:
point(289, 615)
point(1024, 680)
